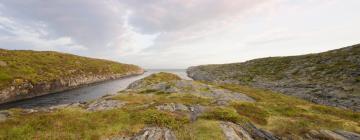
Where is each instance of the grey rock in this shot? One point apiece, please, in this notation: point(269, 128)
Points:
point(104, 105)
point(155, 133)
point(332, 135)
point(196, 111)
point(172, 107)
point(3, 64)
point(222, 96)
point(244, 132)
point(348, 135)
point(4, 115)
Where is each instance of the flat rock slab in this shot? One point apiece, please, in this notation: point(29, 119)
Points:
point(247, 131)
point(155, 133)
point(332, 135)
point(221, 96)
point(4, 115)
point(105, 105)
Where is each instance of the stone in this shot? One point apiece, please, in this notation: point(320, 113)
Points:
point(4, 115)
point(172, 107)
point(333, 135)
point(247, 131)
point(233, 132)
point(105, 105)
point(3, 64)
point(155, 133)
point(348, 135)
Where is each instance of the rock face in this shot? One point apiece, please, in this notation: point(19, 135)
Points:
point(26, 89)
point(329, 78)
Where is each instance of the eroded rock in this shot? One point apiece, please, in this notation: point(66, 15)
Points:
point(3, 64)
point(172, 107)
point(104, 105)
point(155, 133)
point(332, 135)
point(244, 132)
point(4, 115)
point(221, 96)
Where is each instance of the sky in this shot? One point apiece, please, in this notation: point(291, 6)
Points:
point(176, 34)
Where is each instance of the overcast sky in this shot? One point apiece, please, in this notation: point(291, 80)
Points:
point(179, 33)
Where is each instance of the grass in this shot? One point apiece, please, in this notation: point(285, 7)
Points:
point(224, 114)
point(187, 99)
point(79, 124)
point(333, 68)
point(289, 116)
point(201, 129)
point(283, 115)
point(160, 77)
point(43, 66)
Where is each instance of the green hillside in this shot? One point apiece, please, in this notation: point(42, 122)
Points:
point(331, 78)
point(38, 66)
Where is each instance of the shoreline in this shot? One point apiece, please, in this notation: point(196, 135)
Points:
point(31, 95)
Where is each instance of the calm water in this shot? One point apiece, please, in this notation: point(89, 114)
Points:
point(84, 93)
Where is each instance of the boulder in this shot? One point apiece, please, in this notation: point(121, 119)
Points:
point(3, 64)
point(155, 133)
point(246, 131)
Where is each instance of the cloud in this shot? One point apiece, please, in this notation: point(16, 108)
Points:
point(91, 23)
point(178, 33)
point(19, 36)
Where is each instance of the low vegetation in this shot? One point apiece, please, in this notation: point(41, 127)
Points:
point(35, 66)
point(285, 116)
point(288, 116)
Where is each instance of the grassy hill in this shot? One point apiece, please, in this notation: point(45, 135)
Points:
point(24, 68)
point(331, 78)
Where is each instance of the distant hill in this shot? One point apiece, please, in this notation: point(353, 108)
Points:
point(330, 78)
point(25, 74)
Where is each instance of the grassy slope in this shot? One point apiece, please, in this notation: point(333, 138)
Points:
point(334, 66)
point(38, 66)
point(283, 115)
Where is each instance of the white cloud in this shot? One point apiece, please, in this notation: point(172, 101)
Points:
point(179, 33)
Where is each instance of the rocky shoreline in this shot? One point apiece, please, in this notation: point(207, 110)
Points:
point(23, 89)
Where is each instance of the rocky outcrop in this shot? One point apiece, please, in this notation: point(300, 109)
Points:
point(150, 133)
point(332, 135)
point(329, 78)
point(104, 105)
point(23, 89)
point(221, 96)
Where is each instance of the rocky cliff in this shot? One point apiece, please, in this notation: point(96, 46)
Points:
point(330, 78)
point(26, 74)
